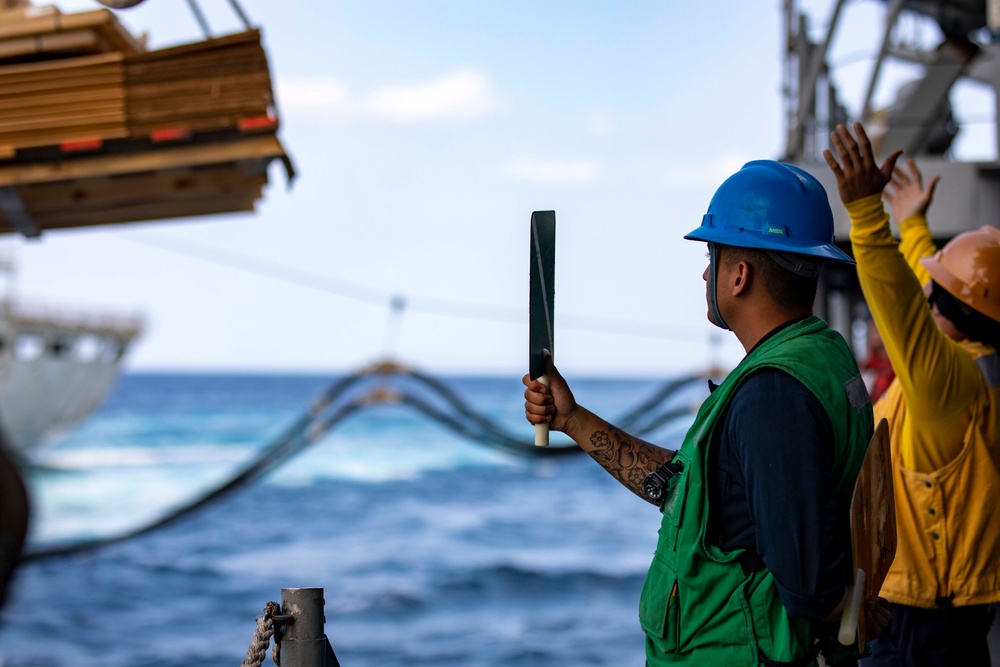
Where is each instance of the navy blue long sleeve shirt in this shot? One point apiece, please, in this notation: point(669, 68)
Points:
point(771, 491)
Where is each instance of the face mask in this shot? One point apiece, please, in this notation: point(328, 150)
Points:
point(973, 324)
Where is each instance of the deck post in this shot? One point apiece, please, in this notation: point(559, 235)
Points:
point(303, 642)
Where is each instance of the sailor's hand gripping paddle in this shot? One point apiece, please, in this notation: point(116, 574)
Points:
point(540, 331)
point(873, 534)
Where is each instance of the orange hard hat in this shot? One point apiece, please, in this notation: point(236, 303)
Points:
point(968, 268)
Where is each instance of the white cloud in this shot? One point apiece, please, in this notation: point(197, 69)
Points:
point(711, 174)
point(553, 171)
point(464, 93)
point(461, 94)
point(314, 96)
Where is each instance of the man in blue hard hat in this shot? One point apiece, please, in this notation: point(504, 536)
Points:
point(753, 558)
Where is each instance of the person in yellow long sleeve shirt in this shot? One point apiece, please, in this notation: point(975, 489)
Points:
point(942, 408)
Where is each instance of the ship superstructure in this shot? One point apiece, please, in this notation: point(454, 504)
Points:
point(920, 120)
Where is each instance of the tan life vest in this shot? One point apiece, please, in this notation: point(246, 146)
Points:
point(948, 520)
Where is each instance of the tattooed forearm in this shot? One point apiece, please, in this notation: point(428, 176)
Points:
point(628, 459)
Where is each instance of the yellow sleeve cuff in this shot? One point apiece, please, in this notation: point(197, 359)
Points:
point(912, 223)
point(869, 221)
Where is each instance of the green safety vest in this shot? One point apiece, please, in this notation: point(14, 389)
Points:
point(697, 606)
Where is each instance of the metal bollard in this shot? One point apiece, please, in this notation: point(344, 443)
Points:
point(303, 642)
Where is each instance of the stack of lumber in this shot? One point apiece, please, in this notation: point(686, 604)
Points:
point(56, 102)
point(225, 80)
point(95, 129)
point(33, 33)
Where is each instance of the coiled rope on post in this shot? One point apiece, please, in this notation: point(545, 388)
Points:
point(262, 637)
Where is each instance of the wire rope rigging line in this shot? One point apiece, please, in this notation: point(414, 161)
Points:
point(442, 307)
point(333, 407)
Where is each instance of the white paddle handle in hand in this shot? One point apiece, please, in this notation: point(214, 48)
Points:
point(542, 430)
point(852, 609)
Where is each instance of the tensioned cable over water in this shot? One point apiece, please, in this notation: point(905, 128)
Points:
point(329, 410)
point(380, 298)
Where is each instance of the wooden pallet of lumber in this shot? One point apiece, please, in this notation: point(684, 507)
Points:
point(220, 48)
point(180, 195)
point(126, 189)
point(33, 33)
point(74, 42)
point(54, 102)
point(95, 129)
point(67, 73)
point(169, 182)
point(173, 157)
point(225, 79)
point(207, 85)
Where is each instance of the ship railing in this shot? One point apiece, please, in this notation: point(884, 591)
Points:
point(45, 318)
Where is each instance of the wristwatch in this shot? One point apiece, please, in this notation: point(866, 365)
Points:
point(655, 484)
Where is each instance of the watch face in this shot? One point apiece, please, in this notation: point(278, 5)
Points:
point(652, 486)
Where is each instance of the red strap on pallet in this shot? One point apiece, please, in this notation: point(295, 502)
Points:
point(257, 123)
point(168, 134)
point(80, 145)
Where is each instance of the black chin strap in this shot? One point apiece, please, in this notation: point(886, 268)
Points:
point(713, 271)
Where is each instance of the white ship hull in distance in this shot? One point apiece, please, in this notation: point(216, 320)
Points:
point(56, 368)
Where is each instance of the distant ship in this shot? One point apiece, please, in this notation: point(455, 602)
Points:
point(56, 367)
point(96, 129)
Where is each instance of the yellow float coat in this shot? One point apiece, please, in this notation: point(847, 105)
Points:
point(943, 427)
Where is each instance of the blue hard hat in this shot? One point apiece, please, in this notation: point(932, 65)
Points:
point(772, 206)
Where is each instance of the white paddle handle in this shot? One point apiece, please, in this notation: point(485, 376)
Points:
point(849, 620)
point(542, 430)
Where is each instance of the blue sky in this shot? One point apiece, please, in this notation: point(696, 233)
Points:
point(425, 133)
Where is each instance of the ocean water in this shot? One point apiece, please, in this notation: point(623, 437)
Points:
point(432, 547)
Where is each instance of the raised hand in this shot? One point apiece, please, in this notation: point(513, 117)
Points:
point(906, 193)
point(857, 174)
